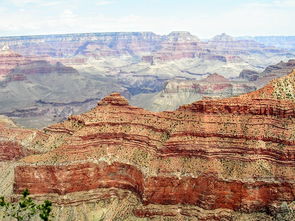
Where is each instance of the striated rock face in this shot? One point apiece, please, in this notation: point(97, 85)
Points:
point(178, 45)
point(9, 60)
point(52, 76)
point(179, 92)
point(174, 46)
point(227, 159)
point(279, 69)
point(15, 141)
point(275, 71)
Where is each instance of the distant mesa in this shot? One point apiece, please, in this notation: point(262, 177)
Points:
point(223, 37)
point(182, 36)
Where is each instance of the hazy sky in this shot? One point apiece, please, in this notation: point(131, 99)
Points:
point(204, 18)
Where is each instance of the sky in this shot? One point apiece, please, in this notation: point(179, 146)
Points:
point(203, 18)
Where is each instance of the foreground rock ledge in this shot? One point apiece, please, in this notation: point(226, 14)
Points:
point(212, 160)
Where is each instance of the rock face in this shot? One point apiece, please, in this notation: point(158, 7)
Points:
point(275, 71)
point(9, 60)
point(179, 92)
point(176, 45)
point(35, 91)
point(92, 65)
point(229, 159)
point(249, 75)
point(14, 141)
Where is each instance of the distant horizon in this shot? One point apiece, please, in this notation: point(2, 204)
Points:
point(201, 18)
point(82, 33)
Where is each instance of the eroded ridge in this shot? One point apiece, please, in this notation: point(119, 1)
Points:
point(235, 154)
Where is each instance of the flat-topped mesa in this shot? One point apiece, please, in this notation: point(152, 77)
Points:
point(114, 99)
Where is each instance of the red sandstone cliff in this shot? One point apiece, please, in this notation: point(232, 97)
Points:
point(211, 160)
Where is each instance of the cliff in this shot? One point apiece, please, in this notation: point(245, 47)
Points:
point(180, 92)
point(9, 60)
point(211, 160)
point(174, 46)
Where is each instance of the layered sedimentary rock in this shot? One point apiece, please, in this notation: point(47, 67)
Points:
point(36, 93)
point(275, 71)
point(9, 60)
point(175, 45)
point(214, 159)
point(178, 92)
point(14, 141)
point(178, 45)
point(133, 63)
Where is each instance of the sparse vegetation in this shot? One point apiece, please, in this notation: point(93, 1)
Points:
point(25, 209)
point(285, 213)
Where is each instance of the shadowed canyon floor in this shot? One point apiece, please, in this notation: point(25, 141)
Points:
point(226, 159)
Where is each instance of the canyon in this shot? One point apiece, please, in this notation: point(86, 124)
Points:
point(45, 78)
point(178, 92)
point(214, 159)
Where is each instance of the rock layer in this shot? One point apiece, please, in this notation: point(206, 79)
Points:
point(9, 60)
point(223, 157)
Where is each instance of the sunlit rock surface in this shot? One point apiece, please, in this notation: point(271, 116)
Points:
point(229, 159)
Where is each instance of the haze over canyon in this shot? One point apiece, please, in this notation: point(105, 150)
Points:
point(44, 79)
point(140, 126)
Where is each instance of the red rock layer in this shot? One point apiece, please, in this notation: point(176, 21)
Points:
point(87, 176)
point(9, 60)
point(13, 139)
point(236, 154)
point(214, 84)
point(10, 151)
point(206, 191)
point(267, 107)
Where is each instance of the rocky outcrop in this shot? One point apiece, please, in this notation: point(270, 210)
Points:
point(174, 46)
point(14, 141)
point(274, 71)
point(180, 92)
point(249, 75)
point(178, 45)
point(9, 60)
point(213, 158)
point(41, 73)
point(279, 70)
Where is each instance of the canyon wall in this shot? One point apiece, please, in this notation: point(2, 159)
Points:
point(229, 159)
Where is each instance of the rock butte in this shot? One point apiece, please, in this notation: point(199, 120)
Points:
point(212, 160)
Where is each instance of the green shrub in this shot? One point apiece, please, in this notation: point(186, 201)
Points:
point(25, 209)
